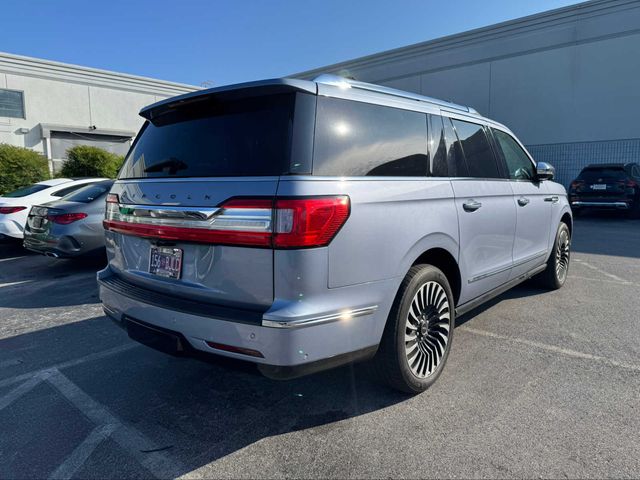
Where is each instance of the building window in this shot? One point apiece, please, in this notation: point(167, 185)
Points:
point(11, 103)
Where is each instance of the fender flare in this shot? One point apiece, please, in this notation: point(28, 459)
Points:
point(426, 243)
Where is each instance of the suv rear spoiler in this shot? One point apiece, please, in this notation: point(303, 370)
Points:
point(262, 87)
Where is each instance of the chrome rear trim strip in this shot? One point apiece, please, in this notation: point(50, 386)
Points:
point(165, 211)
point(344, 315)
point(600, 204)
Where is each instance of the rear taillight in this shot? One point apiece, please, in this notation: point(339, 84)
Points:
point(575, 184)
point(258, 222)
point(627, 183)
point(9, 210)
point(309, 222)
point(66, 218)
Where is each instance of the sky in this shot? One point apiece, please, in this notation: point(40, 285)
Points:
point(218, 42)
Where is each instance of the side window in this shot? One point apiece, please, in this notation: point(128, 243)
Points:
point(518, 163)
point(455, 158)
point(358, 139)
point(437, 147)
point(481, 161)
point(68, 190)
point(636, 171)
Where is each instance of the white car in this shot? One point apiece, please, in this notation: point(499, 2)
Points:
point(15, 206)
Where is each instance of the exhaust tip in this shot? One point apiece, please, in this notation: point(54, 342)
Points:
point(51, 254)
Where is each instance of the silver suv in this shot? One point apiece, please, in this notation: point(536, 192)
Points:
point(301, 225)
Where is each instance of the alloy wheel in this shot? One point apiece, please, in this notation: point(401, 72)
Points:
point(562, 255)
point(427, 329)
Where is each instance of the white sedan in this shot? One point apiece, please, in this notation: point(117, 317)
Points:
point(15, 206)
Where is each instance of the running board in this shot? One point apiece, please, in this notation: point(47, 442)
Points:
point(476, 302)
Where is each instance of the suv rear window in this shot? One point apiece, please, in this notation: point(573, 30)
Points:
point(89, 193)
point(213, 137)
point(611, 173)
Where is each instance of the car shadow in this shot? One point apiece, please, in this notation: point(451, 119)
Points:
point(195, 412)
point(525, 289)
point(35, 281)
point(12, 248)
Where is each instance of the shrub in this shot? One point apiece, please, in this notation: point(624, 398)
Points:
point(87, 161)
point(20, 167)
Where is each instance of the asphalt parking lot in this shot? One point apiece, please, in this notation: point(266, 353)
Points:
point(538, 384)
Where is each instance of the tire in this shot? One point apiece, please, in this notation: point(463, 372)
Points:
point(557, 269)
point(415, 346)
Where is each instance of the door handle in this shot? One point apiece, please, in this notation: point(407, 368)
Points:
point(553, 199)
point(523, 202)
point(471, 205)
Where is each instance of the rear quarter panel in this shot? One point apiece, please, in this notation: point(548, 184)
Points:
point(392, 222)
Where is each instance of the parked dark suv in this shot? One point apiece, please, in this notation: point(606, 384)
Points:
point(607, 185)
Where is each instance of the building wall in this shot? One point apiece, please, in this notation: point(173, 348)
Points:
point(76, 99)
point(565, 81)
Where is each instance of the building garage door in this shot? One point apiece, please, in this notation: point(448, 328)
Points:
point(62, 141)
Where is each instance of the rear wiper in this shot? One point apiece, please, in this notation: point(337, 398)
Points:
point(172, 165)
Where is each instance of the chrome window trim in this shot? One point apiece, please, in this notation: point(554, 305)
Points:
point(270, 178)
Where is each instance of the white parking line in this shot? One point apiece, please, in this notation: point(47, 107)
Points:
point(13, 284)
point(159, 464)
point(21, 390)
point(552, 348)
point(71, 363)
point(10, 258)
point(82, 452)
point(600, 271)
point(579, 277)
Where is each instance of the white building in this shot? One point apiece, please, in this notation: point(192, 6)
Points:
point(565, 81)
point(50, 106)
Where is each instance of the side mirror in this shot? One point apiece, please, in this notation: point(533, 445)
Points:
point(545, 171)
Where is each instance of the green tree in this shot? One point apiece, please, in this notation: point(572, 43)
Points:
point(20, 167)
point(87, 161)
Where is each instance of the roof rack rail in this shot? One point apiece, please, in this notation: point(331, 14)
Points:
point(338, 81)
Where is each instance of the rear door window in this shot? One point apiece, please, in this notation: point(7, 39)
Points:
point(216, 137)
point(481, 161)
point(361, 139)
point(455, 157)
point(437, 147)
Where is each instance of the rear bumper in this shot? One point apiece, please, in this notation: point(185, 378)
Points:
point(62, 247)
point(10, 228)
point(288, 347)
point(622, 205)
